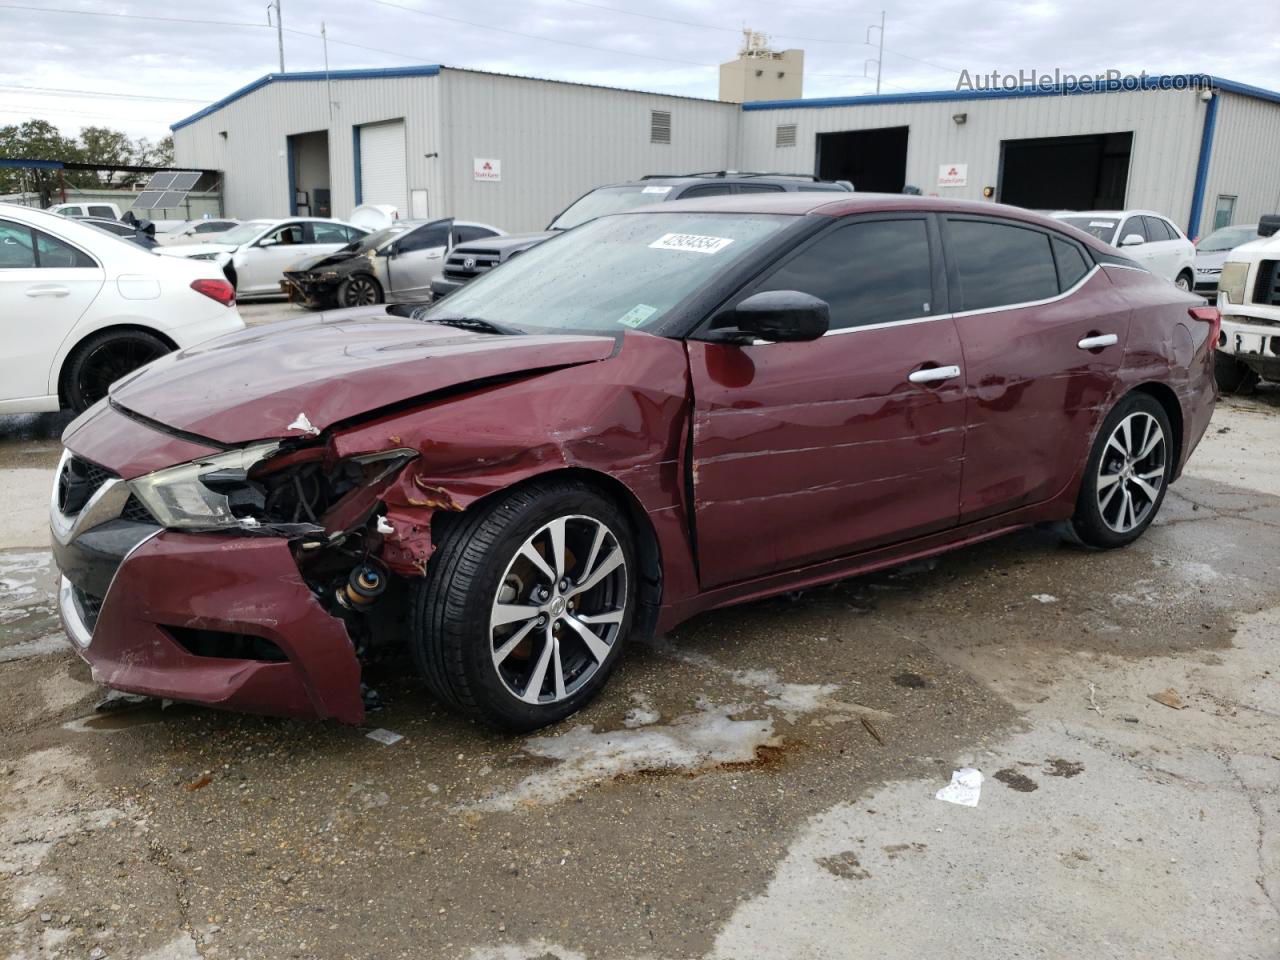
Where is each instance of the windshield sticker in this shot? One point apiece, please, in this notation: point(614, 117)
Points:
point(637, 315)
point(1102, 223)
point(656, 190)
point(690, 243)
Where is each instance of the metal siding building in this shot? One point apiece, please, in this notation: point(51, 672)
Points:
point(1164, 149)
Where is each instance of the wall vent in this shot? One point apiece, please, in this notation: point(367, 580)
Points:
point(786, 136)
point(659, 126)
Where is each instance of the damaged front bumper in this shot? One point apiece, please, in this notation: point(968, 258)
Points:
point(246, 614)
point(311, 289)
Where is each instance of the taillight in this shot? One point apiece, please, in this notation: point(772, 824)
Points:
point(219, 290)
point(1210, 315)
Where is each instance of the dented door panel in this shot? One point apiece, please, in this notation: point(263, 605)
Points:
point(807, 451)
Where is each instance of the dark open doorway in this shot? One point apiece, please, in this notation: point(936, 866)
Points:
point(309, 174)
point(1066, 173)
point(873, 160)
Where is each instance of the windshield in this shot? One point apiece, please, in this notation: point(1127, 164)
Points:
point(1228, 238)
point(606, 200)
point(1104, 228)
point(245, 232)
point(611, 274)
point(376, 240)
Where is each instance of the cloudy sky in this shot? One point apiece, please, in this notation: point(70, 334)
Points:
point(139, 65)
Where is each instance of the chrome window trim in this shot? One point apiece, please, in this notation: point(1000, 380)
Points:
point(970, 313)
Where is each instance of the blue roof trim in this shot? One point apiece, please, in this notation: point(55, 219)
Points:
point(383, 73)
point(1180, 81)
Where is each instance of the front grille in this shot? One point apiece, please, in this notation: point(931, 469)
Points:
point(78, 482)
point(1267, 290)
point(89, 606)
point(467, 264)
point(135, 511)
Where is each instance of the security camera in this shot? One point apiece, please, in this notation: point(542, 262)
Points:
point(1206, 95)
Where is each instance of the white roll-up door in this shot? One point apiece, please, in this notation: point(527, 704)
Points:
point(382, 165)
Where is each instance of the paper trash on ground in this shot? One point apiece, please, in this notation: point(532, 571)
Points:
point(965, 785)
point(385, 737)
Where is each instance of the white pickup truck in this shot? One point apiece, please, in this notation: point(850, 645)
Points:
point(1249, 300)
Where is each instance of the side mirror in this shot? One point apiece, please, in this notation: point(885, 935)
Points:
point(779, 316)
point(1132, 240)
point(269, 242)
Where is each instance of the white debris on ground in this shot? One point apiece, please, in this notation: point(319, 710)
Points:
point(694, 742)
point(1044, 597)
point(965, 787)
point(39, 647)
point(791, 698)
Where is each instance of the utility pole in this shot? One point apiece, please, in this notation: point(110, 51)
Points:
point(879, 56)
point(279, 29)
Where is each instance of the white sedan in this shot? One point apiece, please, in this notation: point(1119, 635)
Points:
point(81, 308)
point(1151, 239)
point(255, 254)
point(196, 231)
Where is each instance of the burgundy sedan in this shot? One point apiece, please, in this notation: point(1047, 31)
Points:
point(654, 414)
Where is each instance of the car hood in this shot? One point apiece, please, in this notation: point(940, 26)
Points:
point(504, 244)
point(297, 377)
point(333, 259)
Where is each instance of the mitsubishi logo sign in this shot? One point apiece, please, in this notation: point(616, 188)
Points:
point(488, 169)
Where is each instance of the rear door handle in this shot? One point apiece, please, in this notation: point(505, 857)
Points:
point(47, 290)
point(934, 374)
point(1098, 341)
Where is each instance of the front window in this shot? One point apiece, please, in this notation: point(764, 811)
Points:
point(616, 273)
point(606, 200)
point(377, 240)
point(245, 232)
point(1101, 228)
point(1228, 238)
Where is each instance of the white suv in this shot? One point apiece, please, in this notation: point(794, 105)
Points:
point(1249, 300)
point(1149, 238)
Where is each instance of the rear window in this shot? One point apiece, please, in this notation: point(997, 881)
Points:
point(1103, 228)
point(1000, 264)
point(607, 200)
point(98, 211)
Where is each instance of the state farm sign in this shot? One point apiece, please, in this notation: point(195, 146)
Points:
point(487, 169)
point(953, 175)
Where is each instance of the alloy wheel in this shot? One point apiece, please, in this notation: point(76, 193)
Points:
point(1182, 283)
point(559, 609)
point(111, 360)
point(1131, 472)
point(361, 292)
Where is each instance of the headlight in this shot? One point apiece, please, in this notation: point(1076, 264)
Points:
point(1231, 282)
point(180, 497)
point(250, 488)
point(204, 256)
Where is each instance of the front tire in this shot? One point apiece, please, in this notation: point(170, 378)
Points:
point(361, 290)
point(1184, 281)
point(527, 604)
point(103, 359)
point(1126, 475)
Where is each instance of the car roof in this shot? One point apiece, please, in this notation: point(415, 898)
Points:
point(1114, 214)
point(847, 204)
point(726, 176)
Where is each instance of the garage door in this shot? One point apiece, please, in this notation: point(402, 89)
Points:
point(382, 171)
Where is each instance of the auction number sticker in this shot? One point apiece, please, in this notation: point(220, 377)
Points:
point(690, 243)
point(660, 190)
point(637, 315)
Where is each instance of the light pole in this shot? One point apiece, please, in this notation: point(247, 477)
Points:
point(279, 24)
point(879, 55)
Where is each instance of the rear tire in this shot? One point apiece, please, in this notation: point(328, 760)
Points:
point(361, 290)
point(105, 358)
point(1126, 475)
point(500, 640)
point(1232, 375)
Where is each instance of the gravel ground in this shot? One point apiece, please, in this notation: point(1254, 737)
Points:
point(758, 784)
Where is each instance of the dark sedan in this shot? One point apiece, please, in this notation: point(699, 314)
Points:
point(655, 414)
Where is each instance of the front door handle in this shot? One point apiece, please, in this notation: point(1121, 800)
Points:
point(933, 374)
point(47, 290)
point(1098, 340)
